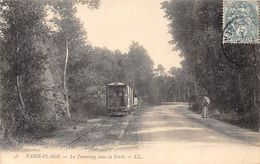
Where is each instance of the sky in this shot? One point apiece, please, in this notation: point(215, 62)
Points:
point(119, 22)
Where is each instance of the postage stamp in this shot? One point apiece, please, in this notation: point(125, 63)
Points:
point(241, 21)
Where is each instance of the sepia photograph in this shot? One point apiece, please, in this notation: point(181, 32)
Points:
point(130, 81)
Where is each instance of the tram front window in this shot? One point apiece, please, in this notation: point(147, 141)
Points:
point(117, 97)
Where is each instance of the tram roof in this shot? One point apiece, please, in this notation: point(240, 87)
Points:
point(116, 84)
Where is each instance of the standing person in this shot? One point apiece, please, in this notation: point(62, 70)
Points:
point(205, 103)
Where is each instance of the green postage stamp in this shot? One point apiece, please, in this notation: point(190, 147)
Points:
point(241, 21)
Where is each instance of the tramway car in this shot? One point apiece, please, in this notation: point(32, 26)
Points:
point(119, 98)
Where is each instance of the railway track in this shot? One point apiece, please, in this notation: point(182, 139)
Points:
point(84, 134)
point(104, 127)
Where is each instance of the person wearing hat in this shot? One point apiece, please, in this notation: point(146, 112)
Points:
point(205, 103)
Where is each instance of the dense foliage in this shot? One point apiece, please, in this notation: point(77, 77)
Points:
point(226, 72)
point(50, 74)
point(24, 32)
point(32, 57)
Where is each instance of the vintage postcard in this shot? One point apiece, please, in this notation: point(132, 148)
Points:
point(129, 81)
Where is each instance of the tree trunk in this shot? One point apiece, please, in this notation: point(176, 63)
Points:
point(67, 105)
point(188, 88)
point(195, 87)
point(20, 94)
point(9, 128)
point(22, 104)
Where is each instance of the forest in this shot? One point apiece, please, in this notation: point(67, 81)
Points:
point(227, 73)
point(52, 75)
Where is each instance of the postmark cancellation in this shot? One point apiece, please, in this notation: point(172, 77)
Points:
point(241, 21)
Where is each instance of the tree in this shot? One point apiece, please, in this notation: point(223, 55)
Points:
point(24, 32)
point(134, 68)
point(140, 66)
point(70, 35)
point(216, 69)
point(160, 70)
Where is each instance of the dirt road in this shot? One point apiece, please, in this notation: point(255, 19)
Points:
point(166, 134)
